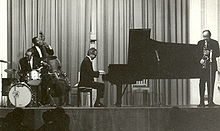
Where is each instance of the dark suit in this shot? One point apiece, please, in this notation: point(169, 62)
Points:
point(46, 79)
point(205, 73)
point(87, 75)
point(45, 51)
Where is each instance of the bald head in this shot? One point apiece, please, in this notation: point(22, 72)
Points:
point(28, 54)
point(206, 34)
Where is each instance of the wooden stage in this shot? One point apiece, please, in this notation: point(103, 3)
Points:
point(130, 118)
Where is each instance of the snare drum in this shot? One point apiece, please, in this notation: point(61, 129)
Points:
point(34, 78)
point(20, 94)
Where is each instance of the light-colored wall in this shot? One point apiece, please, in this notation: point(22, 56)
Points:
point(204, 14)
point(3, 34)
point(3, 39)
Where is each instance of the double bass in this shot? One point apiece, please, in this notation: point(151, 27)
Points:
point(60, 83)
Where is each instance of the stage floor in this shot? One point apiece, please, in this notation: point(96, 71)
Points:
point(182, 118)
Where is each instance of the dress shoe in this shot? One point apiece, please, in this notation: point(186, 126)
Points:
point(99, 104)
point(212, 104)
point(201, 105)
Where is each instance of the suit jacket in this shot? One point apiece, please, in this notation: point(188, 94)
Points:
point(36, 57)
point(87, 73)
point(211, 45)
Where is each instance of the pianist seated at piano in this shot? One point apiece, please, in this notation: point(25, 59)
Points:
point(87, 75)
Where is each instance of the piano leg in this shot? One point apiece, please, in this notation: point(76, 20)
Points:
point(119, 95)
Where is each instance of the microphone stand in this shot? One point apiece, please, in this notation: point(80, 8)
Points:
point(159, 102)
point(210, 76)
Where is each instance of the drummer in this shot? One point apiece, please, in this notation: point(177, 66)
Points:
point(25, 65)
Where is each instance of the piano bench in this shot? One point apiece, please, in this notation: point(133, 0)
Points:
point(90, 91)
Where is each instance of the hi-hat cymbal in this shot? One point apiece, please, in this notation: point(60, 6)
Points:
point(10, 71)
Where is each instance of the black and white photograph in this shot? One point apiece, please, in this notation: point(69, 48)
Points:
point(109, 65)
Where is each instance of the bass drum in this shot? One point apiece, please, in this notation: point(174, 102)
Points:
point(20, 95)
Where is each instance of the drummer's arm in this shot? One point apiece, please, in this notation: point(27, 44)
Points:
point(22, 73)
point(22, 68)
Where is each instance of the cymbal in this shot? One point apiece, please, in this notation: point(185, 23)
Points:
point(3, 61)
point(10, 71)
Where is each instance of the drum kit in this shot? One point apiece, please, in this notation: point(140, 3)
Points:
point(20, 94)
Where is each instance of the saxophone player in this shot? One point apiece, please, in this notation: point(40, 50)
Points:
point(208, 52)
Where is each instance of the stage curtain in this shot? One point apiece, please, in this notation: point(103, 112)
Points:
point(168, 20)
point(67, 25)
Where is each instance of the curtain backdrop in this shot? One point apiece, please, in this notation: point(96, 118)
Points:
point(168, 20)
point(67, 25)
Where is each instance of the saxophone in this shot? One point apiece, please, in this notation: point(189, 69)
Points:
point(205, 55)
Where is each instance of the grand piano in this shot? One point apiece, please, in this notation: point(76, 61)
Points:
point(151, 59)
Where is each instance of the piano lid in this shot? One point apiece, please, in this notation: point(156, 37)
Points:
point(155, 59)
